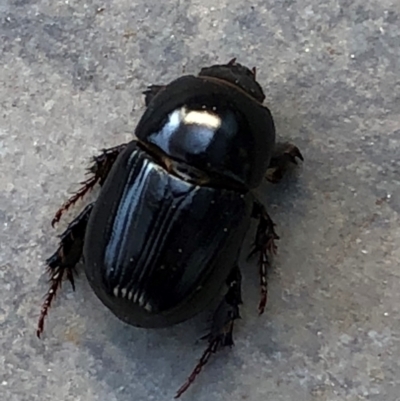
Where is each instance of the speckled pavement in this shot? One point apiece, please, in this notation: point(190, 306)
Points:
point(71, 77)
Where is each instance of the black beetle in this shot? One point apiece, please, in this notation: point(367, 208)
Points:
point(165, 233)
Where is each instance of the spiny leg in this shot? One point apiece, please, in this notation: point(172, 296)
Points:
point(99, 170)
point(284, 155)
point(264, 244)
point(222, 325)
point(64, 260)
point(151, 92)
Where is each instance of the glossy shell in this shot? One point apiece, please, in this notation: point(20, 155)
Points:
point(212, 125)
point(157, 248)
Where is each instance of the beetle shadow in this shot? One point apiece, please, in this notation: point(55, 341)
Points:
point(150, 363)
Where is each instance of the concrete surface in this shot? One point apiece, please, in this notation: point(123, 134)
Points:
point(70, 75)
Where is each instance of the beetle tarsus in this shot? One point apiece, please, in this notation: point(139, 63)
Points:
point(284, 155)
point(221, 334)
point(62, 263)
point(264, 244)
point(211, 349)
point(99, 169)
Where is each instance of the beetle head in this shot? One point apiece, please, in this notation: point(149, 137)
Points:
point(238, 75)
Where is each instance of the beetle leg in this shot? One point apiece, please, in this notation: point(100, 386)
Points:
point(151, 92)
point(265, 245)
point(99, 169)
point(63, 261)
point(284, 154)
point(222, 325)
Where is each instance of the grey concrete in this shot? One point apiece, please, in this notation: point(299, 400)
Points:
point(70, 78)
